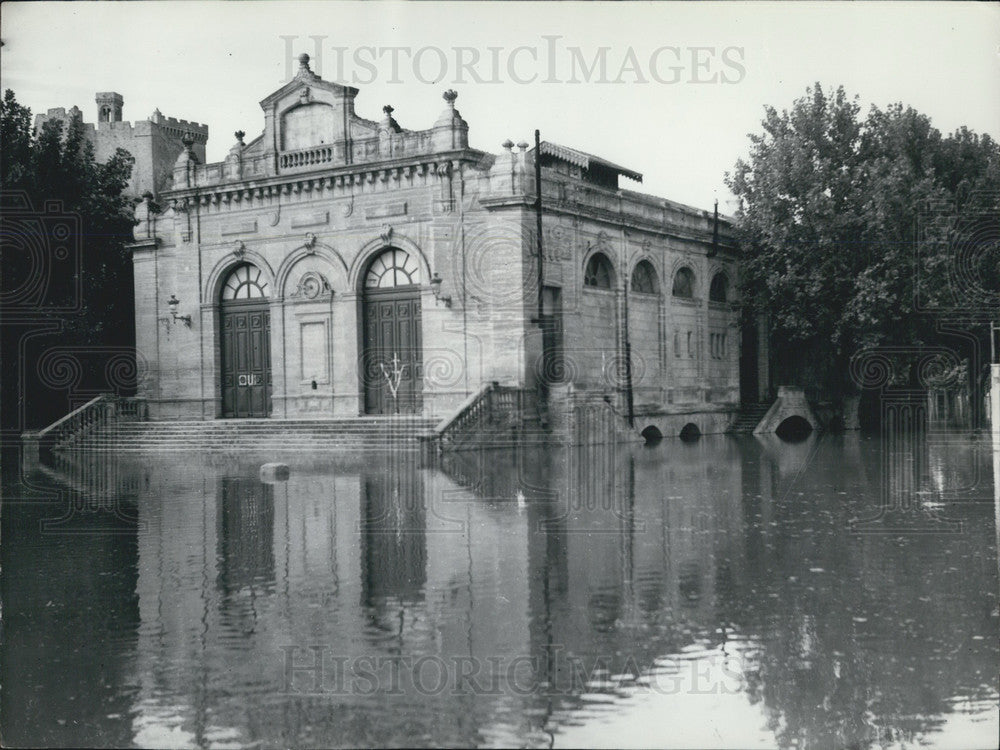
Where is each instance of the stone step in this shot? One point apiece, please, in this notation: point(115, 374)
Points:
point(272, 428)
point(267, 428)
point(749, 417)
point(184, 440)
point(262, 433)
point(346, 437)
point(344, 433)
point(254, 445)
point(278, 426)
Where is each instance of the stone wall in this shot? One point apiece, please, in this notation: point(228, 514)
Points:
point(154, 143)
point(646, 336)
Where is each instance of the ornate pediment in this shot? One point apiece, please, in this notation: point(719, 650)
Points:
point(306, 84)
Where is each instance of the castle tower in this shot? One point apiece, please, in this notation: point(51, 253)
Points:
point(109, 106)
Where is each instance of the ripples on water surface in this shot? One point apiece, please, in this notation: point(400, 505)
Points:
point(704, 595)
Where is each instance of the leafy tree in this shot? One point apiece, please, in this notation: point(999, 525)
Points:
point(840, 219)
point(57, 165)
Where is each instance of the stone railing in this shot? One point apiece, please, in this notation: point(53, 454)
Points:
point(307, 157)
point(103, 411)
point(363, 150)
point(488, 415)
point(632, 205)
point(379, 148)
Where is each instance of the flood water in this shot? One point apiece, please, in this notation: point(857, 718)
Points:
point(734, 592)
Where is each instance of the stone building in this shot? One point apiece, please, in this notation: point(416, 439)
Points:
point(338, 265)
point(155, 143)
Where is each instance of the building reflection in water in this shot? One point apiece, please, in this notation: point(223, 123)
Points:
point(393, 531)
point(246, 534)
point(518, 596)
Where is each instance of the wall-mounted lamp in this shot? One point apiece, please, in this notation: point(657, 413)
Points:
point(173, 302)
point(436, 290)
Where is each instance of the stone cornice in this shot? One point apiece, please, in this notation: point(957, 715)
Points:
point(149, 243)
point(583, 211)
point(343, 177)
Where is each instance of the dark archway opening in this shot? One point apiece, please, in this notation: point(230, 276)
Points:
point(652, 435)
point(690, 432)
point(794, 429)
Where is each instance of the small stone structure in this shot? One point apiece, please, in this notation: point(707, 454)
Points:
point(791, 402)
point(274, 472)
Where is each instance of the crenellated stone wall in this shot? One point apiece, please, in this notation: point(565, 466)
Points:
point(155, 143)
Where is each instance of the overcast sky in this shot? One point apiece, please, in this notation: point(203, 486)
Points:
point(682, 84)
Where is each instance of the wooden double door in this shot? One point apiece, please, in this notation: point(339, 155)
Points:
point(246, 359)
point(392, 356)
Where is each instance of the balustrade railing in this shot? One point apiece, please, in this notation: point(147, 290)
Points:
point(309, 156)
point(100, 412)
point(491, 412)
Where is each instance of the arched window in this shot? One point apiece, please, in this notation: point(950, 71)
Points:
point(684, 283)
point(599, 273)
point(719, 290)
point(392, 268)
point(245, 282)
point(644, 278)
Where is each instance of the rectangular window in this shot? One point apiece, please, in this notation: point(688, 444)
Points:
point(690, 350)
point(677, 343)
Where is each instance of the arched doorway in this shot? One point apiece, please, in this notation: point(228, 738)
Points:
point(392, 357)
point(246, 343)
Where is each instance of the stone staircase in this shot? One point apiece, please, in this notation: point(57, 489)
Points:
point(277, 435)
point(749, 417)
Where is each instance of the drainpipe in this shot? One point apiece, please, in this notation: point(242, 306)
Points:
point(538, 222)
point(627, 342)
point(465, 306)
point(543, 387)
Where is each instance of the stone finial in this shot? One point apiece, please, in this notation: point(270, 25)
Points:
point(523, 145)
point(508, 144)
point(304, 61)
point(389, 122)
point(451, 131)
point(239, 135)
point(147, 196)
